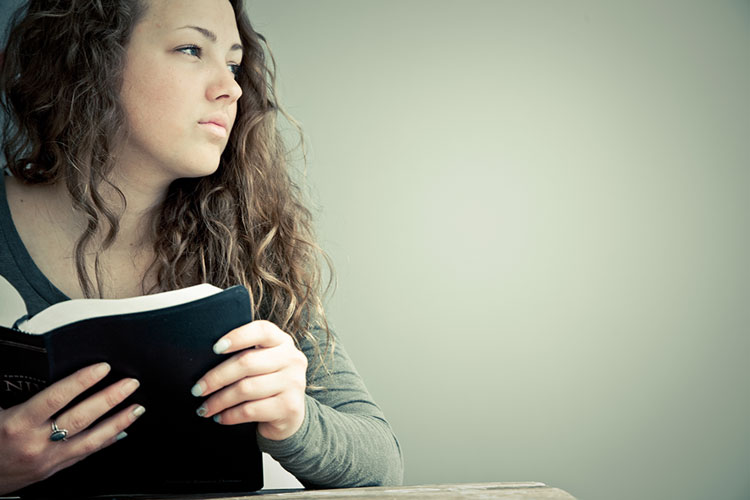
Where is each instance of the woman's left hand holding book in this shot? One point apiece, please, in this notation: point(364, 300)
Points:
point(264, 381)
point(37, 440)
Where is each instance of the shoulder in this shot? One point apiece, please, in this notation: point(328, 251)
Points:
point(20, 195)
point(31, 205)
point(23, 202)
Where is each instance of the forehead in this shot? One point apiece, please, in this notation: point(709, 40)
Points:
point(168, 15)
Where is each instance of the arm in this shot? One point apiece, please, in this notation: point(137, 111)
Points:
point(344, 440)
point(334, 437)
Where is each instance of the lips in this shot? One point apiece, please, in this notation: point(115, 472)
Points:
point(221, 121)
point(216, 125)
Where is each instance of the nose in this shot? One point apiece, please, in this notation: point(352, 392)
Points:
point(224, 87)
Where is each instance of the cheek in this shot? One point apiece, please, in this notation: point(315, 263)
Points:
point(152, 101)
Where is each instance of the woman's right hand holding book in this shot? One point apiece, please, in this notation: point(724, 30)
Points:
point(29, 453)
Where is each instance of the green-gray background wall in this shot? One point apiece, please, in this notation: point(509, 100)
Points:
point(538, 213)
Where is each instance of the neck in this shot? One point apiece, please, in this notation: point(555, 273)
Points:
point(133, 235)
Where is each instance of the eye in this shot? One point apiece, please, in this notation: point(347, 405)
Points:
point(191, 50)
point(234, 68)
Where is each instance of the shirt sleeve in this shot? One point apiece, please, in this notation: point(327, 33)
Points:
point(345, 440)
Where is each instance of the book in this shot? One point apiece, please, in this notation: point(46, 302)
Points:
point(165, 341)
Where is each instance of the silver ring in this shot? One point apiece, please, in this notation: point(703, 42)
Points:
point(58, 434)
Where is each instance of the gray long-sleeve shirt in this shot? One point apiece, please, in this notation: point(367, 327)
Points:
point(344, 440)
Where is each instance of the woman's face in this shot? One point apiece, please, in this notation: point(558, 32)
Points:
point(179, 91)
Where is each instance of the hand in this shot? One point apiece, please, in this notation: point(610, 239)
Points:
point(263, 382)
point(28, 455)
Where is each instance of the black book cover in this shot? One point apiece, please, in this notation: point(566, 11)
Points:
point(169, 450)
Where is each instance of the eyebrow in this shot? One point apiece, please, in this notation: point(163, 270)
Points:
point(211, 36)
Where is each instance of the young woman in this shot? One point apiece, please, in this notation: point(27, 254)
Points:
point(142, 156)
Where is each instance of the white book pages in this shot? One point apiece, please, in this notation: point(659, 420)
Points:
point(74, 310)
point(12, 306)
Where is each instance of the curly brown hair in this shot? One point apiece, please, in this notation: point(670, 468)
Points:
point(244, 224)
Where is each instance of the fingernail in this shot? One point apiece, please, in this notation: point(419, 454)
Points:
point(121, 435)
point(217, 419)
point(202, 411)
point(197, 389)
point(102, 369)
point(130, 386)
point(221, 346)
point(138, 411)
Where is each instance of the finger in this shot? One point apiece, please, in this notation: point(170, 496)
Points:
point(259, 333)
point(88, 411)
point(261, 410)
point(54, 398)
point(102, 435)
point(247, 389)
point(248, 363)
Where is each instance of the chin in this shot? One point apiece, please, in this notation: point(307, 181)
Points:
point(199, 169)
